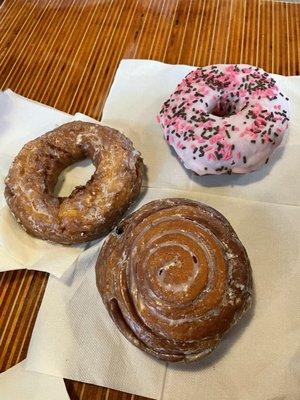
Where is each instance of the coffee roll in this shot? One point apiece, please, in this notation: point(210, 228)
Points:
point(174, 278)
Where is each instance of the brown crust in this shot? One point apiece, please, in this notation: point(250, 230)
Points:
point(174, 277)
point(90, 210)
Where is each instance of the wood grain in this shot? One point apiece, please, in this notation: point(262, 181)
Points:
point(65, 53)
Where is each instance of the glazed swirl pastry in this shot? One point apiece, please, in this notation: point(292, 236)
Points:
point(90, 210)
point(174, 278)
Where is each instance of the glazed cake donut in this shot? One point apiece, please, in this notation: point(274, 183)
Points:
point(225, 118)
point(90, 210)
point(174, 278)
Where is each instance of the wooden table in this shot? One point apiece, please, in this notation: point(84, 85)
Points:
point(65, 53)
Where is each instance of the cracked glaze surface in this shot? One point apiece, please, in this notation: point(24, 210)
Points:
point(174, 278)
point(90, 210)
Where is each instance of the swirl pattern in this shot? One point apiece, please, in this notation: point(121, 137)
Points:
point(174, 278)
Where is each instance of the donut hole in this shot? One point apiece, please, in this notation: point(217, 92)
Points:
point(77, 174)
point(225, 108)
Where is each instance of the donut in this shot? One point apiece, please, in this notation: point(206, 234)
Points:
point(174, 278)
point(90, 210)
point(225, 119)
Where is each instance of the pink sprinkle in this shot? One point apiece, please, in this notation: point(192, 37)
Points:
point(266, 137)
point(208, 148)
point(211, 156)
point(226, 151)
point(257, 109)
point(199, 139)
point(246, 70)
point(217, 138)
point(207, 125)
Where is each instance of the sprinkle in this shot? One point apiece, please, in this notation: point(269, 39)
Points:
point(201, 152)
point(218, 155)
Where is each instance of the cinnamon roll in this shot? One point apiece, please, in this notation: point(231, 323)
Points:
point(174, 278)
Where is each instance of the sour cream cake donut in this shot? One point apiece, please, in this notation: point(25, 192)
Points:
point(90, 210)
point(225, 118)
point(174, 278)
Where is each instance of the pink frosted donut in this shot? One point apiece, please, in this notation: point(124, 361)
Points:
point(225, 118)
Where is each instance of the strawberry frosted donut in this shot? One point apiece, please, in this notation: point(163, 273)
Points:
point(225, 118)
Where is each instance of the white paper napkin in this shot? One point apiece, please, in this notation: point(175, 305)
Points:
point(84, 344)
point(136, 96)
point(22, 120)
point(75, 338)
point(18, 384)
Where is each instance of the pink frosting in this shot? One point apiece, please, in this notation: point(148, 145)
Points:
point(225, 118)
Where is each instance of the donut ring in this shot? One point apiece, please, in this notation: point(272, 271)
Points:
point(225, 118)
point(90, 210)
point(174, 278)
